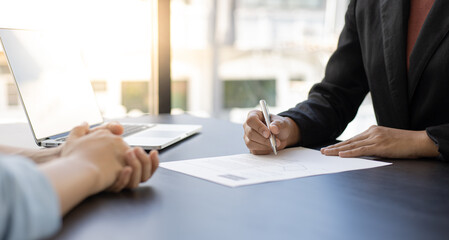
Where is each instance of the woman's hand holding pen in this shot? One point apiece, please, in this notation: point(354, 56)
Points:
point(256, 133)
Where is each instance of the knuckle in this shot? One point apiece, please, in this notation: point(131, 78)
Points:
point(283, 145)
point(250, 145)
point(246, 129)
point(378, 138)
point(248, 123)
point(251, 134)
point(253, 117)
point(277, 123)
point(102, 131)
point(254, 146)
point(261, 152)
point(253, 113)
point(116, 138)
point(363, 149)
point(138, 164)
point(247, 141)
point(146, 161)
point(148, 172)
point(261, 128)
point(135, 164)
point(376, 129)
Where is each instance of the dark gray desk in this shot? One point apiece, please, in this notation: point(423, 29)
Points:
point(407, 200)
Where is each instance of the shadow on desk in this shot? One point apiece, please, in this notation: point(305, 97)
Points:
point(109, 208)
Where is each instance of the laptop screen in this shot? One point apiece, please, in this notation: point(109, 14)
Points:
point(52, 81)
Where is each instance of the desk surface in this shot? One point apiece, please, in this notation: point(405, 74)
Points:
point(407, 200)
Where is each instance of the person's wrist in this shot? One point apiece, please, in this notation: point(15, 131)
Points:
point(55, 152)
point(294, 136)
point(90, 171)
point(45, 155)
point(425, 146)
point(94, 173)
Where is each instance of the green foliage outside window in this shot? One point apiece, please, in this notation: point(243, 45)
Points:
point(247, 93)
point(135, 95)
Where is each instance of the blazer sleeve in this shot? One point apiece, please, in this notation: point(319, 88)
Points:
point(29, 206)
point(334, 102)
point(440, 135)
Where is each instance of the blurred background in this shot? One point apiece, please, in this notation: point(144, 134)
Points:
point(225, 54)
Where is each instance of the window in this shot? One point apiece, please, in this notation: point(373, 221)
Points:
point(179, 95)
point(231, 53)
point(115, 38)
point(133, 92)
point(13, 96)
point(3, 67)
point(247, 93)
point(99, 86)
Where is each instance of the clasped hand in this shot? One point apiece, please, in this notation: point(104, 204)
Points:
point(104, 146)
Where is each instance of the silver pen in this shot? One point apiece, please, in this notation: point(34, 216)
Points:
point(266, 115)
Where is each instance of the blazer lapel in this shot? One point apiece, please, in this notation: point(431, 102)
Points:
point(394, 18)
point(433, 31)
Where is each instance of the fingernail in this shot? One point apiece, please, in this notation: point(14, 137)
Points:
point(265, 134)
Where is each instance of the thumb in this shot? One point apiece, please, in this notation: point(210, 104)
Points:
point(114, 127)
point(79, 131)
point(277, 125)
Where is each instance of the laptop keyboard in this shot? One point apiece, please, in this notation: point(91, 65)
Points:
point(127, 130)
point(62, 139)
point(131, 129)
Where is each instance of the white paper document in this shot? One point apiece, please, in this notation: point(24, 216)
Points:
point(246, 169)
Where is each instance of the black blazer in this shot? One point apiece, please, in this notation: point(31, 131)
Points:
point(371, 57)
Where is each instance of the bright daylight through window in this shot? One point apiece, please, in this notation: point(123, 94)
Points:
point(225, 54)
point(115, 42)
point(228, 54)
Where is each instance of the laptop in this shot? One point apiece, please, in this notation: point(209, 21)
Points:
point(57, 95)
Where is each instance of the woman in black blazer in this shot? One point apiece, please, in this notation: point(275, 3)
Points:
point(411, 103)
